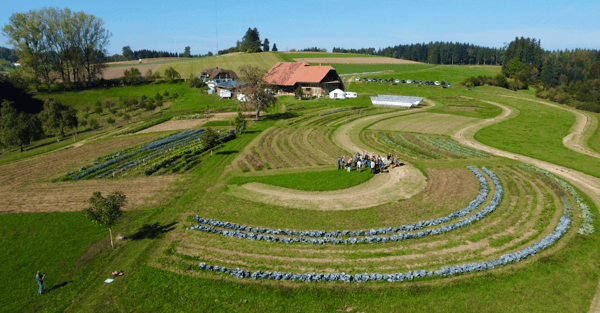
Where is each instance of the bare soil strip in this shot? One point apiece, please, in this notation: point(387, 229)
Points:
point(399, 183)
point(191, 123)
point(69, 196)
point(375, 60)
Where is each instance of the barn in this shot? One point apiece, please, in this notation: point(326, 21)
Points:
point(396, 101)
point(317, 81)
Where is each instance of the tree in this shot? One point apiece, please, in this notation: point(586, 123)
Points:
point(239, 122)
point(266, 45)
point(172, 74)
point(127, 53)
point(131, 76)
point(299, 92)
point(275, 47)
point(257, 91)
point(105, 211)
point(194, 81)
point(58, 117)
point(186, 52)
point(59, 44)
point(209, 140)
point(18, 128)
point(94, 123)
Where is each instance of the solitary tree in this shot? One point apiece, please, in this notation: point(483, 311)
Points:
point(266, 45)
point(209, 140)
point(239, 122)
point(186, 52)
point(105, 211)
point(58, 117)
point(274, 47)
point(257, 91)
point(127, 53)
point(172, 74)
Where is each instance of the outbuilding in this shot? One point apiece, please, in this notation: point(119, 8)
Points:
point(351, 94)
point(337, 94)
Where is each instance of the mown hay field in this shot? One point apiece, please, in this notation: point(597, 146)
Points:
point(426, 123)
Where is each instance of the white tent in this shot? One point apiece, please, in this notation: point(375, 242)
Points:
point(337, 94)
point(225, 93)
point(393, 101)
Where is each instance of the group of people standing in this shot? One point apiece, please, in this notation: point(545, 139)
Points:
point(376, 163)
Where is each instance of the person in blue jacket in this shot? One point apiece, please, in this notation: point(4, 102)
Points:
point(40, 280)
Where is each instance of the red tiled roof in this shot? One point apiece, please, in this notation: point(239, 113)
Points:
point(290, 73)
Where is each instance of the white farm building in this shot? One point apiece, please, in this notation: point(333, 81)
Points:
point(396, 101)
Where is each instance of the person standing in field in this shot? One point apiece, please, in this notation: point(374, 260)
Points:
point(339, 163)
point(40, 280)
point(349, 164)
point(372, 163)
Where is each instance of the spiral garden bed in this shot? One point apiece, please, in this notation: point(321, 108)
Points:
point(518, 212)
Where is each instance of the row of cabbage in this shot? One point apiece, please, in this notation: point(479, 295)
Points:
point(372, 236)
point(445, 271)
point(587, 218)
point(336, 111)
point(453, 146)
point(400, 147)
point(145, 148)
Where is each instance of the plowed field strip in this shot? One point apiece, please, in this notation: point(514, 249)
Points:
point(283, 150)
point(310, 143)
point(275, 154)
point(295, 143)
point(68, 196)
point(263, 149)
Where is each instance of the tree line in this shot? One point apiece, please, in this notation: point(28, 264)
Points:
point(436, 53)
point(58, 45)
point(128, 54)
point(250, 43)
point(570, 77)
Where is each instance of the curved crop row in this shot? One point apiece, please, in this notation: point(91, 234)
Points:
point(587, 218)
point(245, 232)
point(149, 146)
point(445, 271)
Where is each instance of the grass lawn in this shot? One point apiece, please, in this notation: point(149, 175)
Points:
point(59, 244)
point(450, 73)
point(313, 181)
point(536, 131)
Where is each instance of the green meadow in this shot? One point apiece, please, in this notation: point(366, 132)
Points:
point(294, 147)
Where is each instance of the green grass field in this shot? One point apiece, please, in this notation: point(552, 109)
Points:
point(537, 131)
point(297, 141)
point(312, 181)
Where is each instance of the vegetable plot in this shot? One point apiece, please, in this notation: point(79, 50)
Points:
point(178, 151)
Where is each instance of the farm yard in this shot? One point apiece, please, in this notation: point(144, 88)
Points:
point(489, 211)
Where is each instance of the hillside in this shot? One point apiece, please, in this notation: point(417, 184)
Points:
point(229, 61)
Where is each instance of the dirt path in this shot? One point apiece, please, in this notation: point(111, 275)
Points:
point(400, 183)
point(589, 184)
point(574, 140)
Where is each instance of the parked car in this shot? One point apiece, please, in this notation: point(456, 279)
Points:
point(357, 79)
point(437, 83)
point(397, 81)
point(364, 79)
point(369, 79)
point(448, 85)
point(420, 82)
point(408, 81)
point(380, 80)
point(403, 81)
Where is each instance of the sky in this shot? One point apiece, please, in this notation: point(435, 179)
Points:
point(205, 25)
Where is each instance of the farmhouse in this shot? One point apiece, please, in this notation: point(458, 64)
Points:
point(221, 77)
point(316, 81)
point(396, 101)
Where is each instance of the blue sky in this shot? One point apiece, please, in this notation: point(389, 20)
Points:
point(173, 25)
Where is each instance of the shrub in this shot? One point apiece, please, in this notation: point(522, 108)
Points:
point(111, 121)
